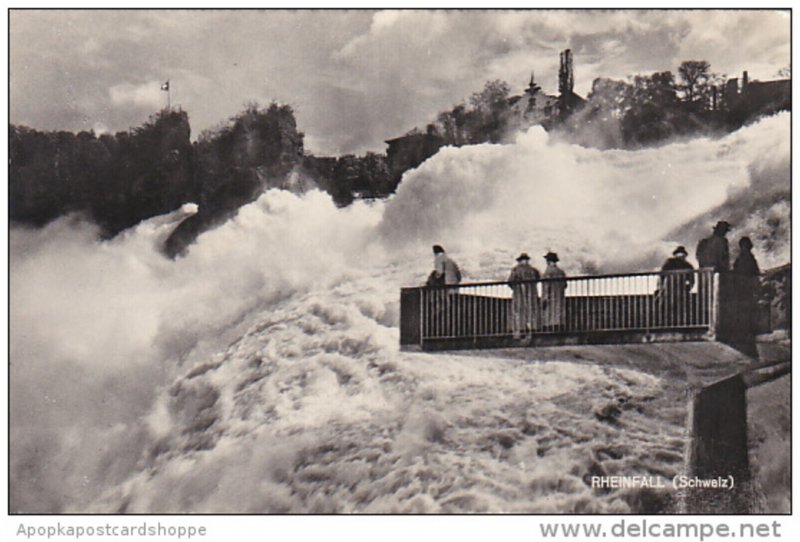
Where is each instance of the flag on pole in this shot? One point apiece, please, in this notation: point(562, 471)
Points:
point(165, 85)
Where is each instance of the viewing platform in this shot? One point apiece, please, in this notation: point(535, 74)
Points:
point(697, 305)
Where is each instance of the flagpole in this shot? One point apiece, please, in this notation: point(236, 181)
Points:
point(165, 87)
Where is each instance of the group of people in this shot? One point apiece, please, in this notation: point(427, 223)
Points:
point(712, 252)
point(530, 312)
point(677, 274)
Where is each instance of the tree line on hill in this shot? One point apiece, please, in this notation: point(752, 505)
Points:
point(118, 180)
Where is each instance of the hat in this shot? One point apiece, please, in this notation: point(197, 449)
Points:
point(551, 257)
point(680, 250)
point(523, 256)
point(437, 249)
point(722, 225)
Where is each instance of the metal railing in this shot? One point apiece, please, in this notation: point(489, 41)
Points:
point(622, 302)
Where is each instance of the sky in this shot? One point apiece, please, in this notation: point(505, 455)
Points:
point(354, 78)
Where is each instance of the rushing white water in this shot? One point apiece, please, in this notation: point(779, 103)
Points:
point(261, 372)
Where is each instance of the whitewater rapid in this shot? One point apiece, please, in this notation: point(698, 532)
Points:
point(261, 372)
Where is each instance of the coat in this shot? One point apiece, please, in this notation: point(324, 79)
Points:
point(554, 297)
point(674, 292)
point(713, 252)
point(524, 298)
point(746, 264)
point(443, 265)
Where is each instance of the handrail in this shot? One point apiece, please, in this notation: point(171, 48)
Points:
point(558, 279)
point(643, 302)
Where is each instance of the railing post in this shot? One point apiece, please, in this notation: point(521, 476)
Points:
point(714, 305)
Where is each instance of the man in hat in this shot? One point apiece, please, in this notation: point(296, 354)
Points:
point(553, 296)
point(524, 297)
point(713, 251)
point(675, 285)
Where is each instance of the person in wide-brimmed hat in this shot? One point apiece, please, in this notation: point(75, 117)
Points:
point(674, 288)
point(553, 294)
point(524, 297)
point(713, 251)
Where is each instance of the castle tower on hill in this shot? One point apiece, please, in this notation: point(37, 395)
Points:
point(566, 79)
point(533, 88)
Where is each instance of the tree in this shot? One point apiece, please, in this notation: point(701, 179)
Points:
point(609, 97)
point(694, 74)
point(487, 113)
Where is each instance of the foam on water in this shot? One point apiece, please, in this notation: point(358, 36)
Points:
point(261, 372)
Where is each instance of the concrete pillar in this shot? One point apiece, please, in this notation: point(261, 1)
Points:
point(718, 448)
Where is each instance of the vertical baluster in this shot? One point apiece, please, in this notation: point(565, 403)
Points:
point(497, 310)
point(432, 313)
point(601, 319)
point(426, 308)
point(613, 300)
point(615, 306)
point(595, 291)
point(587, 286)
point(494, 312)
point(424, 326)
point(684, 301)
point(432, 296)
point(486, 316)
point(587, 316)
point(460, 316)
point(628, 288)
point(476, 303)
point(491, 312)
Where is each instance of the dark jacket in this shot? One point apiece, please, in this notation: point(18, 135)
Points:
point(713, 252)
point(746, 264)
point(672, 267)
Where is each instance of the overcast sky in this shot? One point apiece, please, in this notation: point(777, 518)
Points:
point(354, 78)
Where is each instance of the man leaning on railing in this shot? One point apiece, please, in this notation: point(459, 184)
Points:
point(674, 288)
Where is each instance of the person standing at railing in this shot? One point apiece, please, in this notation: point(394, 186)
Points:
point(674, 289)
point(445, 273)
point(713, 251)
point(524, 297)
point(746, 264)
point(746, 285)
point(553, 294)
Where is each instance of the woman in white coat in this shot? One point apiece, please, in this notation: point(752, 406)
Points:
point(553, 294)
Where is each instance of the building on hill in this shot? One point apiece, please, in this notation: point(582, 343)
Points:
point(533, 107)
point(536, 107)
point(764, 97)
point(751, 98)
point(410, 150)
